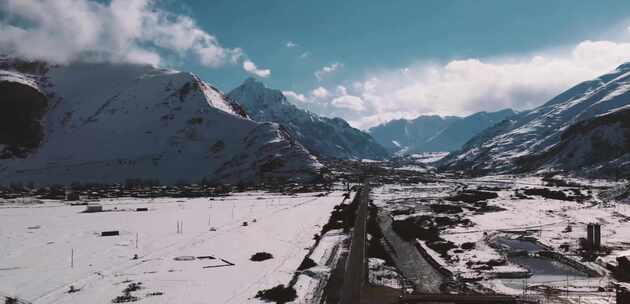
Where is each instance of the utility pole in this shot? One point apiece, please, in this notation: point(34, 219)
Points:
point(567, 284)
point(72, 258)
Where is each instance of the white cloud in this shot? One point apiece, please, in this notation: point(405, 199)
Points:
point(320, 92)
point(321, 73)
point(291, 44)
point(348, 102)
point(136, 31)
point(341, 90)
point(305, 55)
point(250, 67)
point(462, 87)
point(336, 103)
point(291, 95)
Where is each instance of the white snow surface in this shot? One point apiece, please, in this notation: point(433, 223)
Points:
point(12, 76)
point(36, 241)
point(538, 130)
point(325, 137)
point(111, 122)
point(547, 220)
point(428, 157)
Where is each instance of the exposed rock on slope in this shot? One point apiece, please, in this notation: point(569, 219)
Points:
point(23, 105)
point(325, 137)
point(582, 129)
point(111, 122)
point(434, 133)
point(409, 136)
point(596, 146)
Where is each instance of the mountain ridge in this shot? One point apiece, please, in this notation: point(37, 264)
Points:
point(325, 137)
point(535, 140)
point(110, 122)
point(433, 133)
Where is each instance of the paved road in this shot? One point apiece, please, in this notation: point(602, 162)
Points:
point(409, 261)
point(355, 273)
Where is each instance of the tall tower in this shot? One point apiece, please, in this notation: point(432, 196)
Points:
point(590, 237)
point(597, 237)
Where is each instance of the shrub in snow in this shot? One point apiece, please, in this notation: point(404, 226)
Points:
point(306, 264)
point(278, 294)
point(472, 196)
point(261, 256)
point(125, 299)
point(468, 245)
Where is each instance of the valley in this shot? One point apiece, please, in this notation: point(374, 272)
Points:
point(123, 181)
point(484, 235)
point(427, 234)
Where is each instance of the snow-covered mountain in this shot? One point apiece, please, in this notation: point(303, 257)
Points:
point(408, 135)
point(325, 137)
point(434, 133)
point(584, 129)
point(111, 122)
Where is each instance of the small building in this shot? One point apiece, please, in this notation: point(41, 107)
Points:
point(93, 208)
point(72, 196)
point(597, 236)
point(110, 233)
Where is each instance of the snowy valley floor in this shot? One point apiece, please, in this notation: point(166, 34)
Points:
point(487, 232)
point(475, 234)
point(46, 248)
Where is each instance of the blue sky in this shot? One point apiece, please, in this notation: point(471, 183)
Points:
point(371, 35)
point(365, 61)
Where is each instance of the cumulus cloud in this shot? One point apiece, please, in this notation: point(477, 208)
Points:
point(331, 103)
point(348, 102)
point(250, 67)
point(305, 55)
point(320, 92)
point(462, 87)
point(321, 73)
point(291, 44)
point(291, 95)
point(136, 31)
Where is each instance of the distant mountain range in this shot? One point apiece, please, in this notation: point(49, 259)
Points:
point(322, 136)
point(586, 130)
point(434, 133)
point(108, 123)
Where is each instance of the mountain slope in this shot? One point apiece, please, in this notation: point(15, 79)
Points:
point(325, 137)
point(434, 133)
point(408, 136)
point(584, 121)
point(597, 146)
point(111, 122)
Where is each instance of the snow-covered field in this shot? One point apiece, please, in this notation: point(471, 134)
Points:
point(547, 220)
point(428, 157)
point(37, 242)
